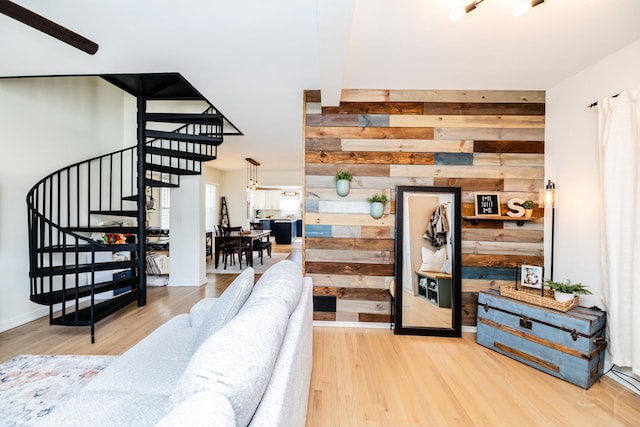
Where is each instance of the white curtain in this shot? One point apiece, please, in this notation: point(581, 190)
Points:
point(619, 139)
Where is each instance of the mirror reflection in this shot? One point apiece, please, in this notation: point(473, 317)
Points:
point(427, 265)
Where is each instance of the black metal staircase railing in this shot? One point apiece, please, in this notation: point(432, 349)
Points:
point(75, 213)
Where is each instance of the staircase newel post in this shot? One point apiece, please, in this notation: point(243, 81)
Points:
point(141, 184)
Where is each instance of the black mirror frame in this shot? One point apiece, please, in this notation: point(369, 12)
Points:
point(456, 313)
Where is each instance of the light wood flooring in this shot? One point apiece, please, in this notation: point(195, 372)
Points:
point(370, 377)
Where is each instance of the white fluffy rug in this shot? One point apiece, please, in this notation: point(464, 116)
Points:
point(235, 269)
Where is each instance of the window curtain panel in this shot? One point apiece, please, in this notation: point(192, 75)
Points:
point(619, 151)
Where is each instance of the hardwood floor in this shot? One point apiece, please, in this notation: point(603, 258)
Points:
point(370, 377)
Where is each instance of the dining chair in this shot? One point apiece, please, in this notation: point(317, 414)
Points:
point(260, 245)
point(233, 245)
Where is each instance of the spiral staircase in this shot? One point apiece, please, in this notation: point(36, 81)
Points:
point(87, 232)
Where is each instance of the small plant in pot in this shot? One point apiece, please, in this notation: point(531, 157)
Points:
point(377, 204)
point(528, 206)
point(343, 178)
point(564, 291)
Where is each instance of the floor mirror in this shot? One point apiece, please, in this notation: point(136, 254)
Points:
point(427, 273)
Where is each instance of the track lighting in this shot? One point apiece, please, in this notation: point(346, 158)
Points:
point(460, 12)
point(518, 10)
point(524, 7)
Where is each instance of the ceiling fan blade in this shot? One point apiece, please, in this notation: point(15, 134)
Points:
point(41, 23)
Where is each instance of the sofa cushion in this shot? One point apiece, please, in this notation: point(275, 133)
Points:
point(238, 360)
point(282, 281)
point(107, 409)
point(226, 307)
point(154, 365)
point(200, 310)
point(200, 410)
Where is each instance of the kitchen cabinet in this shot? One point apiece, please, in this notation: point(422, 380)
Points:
point(266, 199)
point(284, 231)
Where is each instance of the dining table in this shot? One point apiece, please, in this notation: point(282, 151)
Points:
point(246, 236)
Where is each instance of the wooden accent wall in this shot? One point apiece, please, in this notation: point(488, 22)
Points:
point(476, 140)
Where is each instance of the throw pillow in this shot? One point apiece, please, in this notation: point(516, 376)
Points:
point(433, 261)
point(226, 307)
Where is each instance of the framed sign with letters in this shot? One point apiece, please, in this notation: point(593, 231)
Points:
point(487, 204)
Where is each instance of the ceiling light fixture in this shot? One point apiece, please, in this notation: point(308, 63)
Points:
point(252, 174)
point(460, 12)
point(522, 8)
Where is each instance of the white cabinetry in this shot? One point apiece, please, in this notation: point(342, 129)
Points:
point(266, 199)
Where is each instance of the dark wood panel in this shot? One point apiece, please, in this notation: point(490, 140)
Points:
point(469, 308)
point(328, 144)
point(471, 108)
point(496, 225)
point(355, 169)
point(325, 290)
point(369, 157)
point(499, 260)
point(373, 317)
point(349, 244)
point(369, 132)
point(532, 147)
point(375, 108)
point(312, 96)
point(324, 315)
point(350, 268)
point(365, 294)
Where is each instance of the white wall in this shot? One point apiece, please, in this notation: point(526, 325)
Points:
point(46, 124)
point(571, 153)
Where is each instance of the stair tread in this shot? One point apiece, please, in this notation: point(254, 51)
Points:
point(130, 213)
point(101, 310)
point(57, 270)
point(174, 136)
point(180, 154)
point(88, 248)
point(59, 296)
point(106, 229)
point(195, 118)
point(169, 169)
point(156, 183)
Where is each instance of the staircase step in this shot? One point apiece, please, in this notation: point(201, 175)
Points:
point(169, 169)
point(132, 198)
point(194, 118)
point(106, 229)
point(56, 297)
point(126, 247)
point(180, 154)
point(101, 310)
point(174, 136)
point(130, 213)
point(156, 183)
point(58, 270)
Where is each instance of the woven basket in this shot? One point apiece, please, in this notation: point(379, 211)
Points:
point(533, 296)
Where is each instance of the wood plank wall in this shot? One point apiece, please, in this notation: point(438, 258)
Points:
point(476, 140)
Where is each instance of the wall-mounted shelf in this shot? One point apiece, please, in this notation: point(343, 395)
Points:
point(520, 220)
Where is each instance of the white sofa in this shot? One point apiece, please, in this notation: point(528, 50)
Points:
point(241, 359)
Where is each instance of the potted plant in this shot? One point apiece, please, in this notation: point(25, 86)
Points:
point(343, 178)
point(528, 206)
point(564, 291)
point(377, 204)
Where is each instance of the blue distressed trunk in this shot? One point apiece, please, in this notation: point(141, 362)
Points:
point(567, 345)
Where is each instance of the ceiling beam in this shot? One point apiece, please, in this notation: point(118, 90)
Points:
point(334, 27)
point(46, 26)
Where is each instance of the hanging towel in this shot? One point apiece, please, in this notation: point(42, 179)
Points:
point(438, 227)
